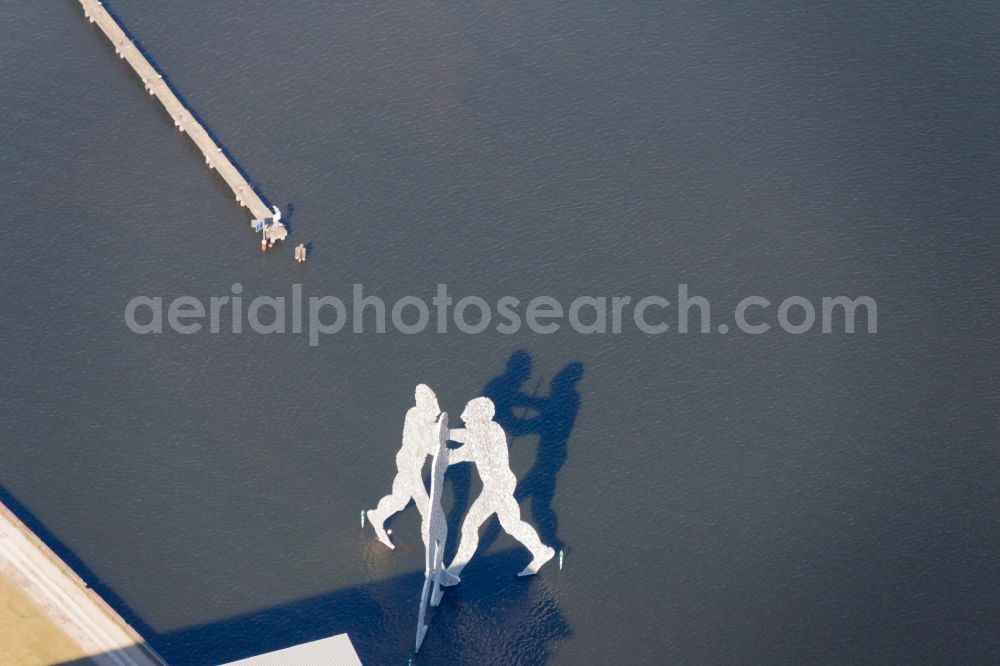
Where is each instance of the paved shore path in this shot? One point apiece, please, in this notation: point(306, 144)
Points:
point(66, 600)
point(184, 120)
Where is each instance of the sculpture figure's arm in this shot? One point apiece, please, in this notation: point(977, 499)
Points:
point(457, 435)
point(459, 455)
point(462, 453)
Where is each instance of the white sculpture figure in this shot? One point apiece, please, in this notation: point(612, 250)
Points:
point(434, 528)
point(420, 439)
point(485, 443)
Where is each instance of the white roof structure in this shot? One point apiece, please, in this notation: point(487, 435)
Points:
point(334, 651)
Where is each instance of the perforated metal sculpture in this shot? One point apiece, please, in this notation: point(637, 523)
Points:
point(485, 444)
point(434, 529)
point(420, 440)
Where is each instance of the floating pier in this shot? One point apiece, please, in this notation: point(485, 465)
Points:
point(263, 219)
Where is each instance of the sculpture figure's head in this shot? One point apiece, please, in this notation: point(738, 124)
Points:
point(479, 412)
point(426, 400)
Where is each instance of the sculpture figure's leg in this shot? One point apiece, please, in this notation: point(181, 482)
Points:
point(478, 513)
point(510, 520)
point(419, 494)
point(421, 624)
point(439, 572)
point(390, 505)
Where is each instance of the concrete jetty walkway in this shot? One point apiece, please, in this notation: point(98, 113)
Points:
point(184, 120)
point(66, 600)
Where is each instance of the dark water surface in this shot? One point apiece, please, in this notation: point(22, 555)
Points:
point(722, 498)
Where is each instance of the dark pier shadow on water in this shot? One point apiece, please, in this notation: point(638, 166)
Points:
point(286, 217)
point(491, 618)
point(166, 79)
point(547, 411)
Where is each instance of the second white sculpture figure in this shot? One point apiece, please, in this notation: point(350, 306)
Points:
point(485, 444)
point(425, 433)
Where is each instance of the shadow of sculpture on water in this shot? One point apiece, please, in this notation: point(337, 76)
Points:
point(520, 413)
point(493, 618)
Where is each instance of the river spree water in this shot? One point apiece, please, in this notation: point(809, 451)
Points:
point(721, 497)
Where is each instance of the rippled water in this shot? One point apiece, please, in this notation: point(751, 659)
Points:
point(721, 498)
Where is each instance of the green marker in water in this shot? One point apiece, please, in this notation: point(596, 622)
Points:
point(362, 519)
point(561, 553)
